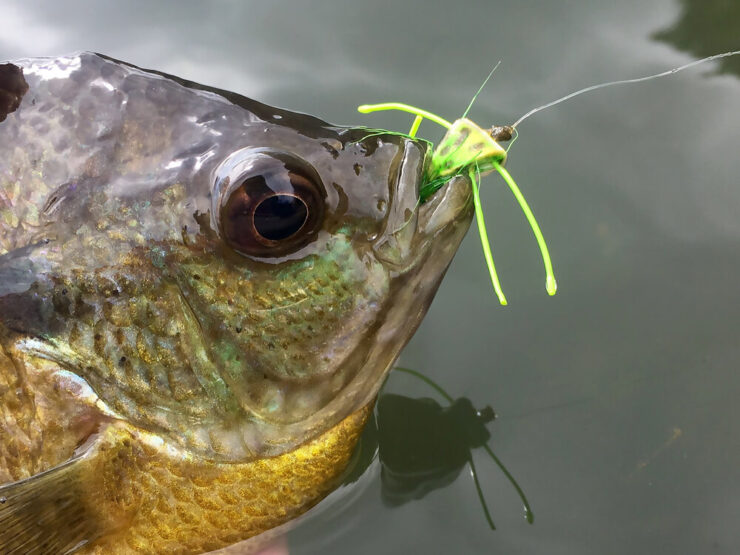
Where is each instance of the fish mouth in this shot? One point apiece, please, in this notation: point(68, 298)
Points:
point(415, 226)
point(449, 204)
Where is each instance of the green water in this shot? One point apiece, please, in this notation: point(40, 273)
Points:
point(618, 398)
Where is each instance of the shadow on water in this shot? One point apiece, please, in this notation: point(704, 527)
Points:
point(423, 445)
point(707, 27)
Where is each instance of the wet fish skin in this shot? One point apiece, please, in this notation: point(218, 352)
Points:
point(137, 343)
point(126, 497)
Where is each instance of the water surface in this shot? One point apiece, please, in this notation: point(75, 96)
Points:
point(617, 399)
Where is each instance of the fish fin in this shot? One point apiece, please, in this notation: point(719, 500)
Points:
point(46, 513)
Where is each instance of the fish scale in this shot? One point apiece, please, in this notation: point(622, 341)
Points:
point(162, 388)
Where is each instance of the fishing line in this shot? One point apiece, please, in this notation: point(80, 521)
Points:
point(462, 151)
point(623, 82)
point(447, 163)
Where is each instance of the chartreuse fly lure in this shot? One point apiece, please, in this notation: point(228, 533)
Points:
point(469, 149)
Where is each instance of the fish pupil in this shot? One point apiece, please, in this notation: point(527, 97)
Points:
point(280, 216)
point(268, 204)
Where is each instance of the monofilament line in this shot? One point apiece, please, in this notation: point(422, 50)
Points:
point(625, 81)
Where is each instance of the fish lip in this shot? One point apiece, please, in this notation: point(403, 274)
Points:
point(450, 203)
point(412, 226)
point(443, 213)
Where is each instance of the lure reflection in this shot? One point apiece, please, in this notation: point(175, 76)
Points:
point(423, 445)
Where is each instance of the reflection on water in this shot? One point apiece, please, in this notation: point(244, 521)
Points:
point(707, 27)
point(423, 446)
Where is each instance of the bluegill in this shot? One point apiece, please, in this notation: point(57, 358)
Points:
point(200, 296)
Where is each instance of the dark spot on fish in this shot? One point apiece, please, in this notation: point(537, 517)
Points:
point(122, 361)
point(64, 291)
point(238, 329)
point(196, 277)
point(204, 223)
point(343, 203)
point(12, 88)
point(330, 149)
point(357, 168)
point(184, 235)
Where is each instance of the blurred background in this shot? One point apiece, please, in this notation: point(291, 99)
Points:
point(617, 399)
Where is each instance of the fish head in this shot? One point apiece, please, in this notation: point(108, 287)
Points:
point(232, 276)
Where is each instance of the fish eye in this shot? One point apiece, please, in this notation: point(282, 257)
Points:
point(269, 203)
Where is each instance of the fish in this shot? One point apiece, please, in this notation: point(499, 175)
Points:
point(200, 297)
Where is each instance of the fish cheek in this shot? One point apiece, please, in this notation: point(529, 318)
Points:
point(302, 323)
